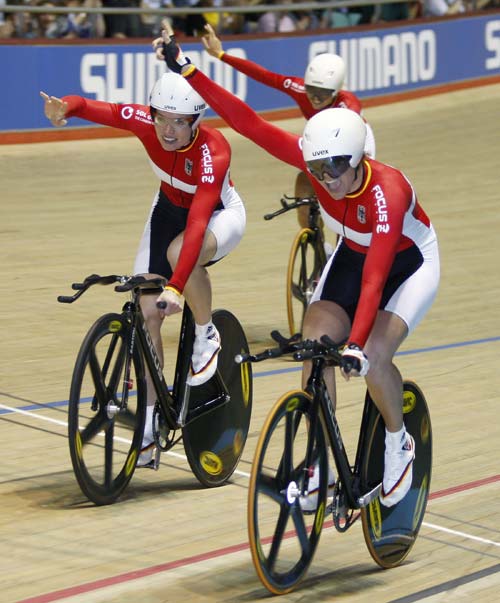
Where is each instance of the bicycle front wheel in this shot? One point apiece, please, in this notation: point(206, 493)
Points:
point(305, 264)
point(283, 538)
point(106, 415)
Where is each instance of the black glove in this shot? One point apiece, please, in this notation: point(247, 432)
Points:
point(174, 57)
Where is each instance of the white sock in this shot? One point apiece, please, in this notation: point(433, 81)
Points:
point(394, 439)
point(202, 329)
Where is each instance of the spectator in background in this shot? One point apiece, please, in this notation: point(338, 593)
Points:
point(398, 11)
point(195, 22)
point(276, 21)
point(233, 23)
point(152, 24)
point(306, 19)
point(220, 21)
point(122, 26)
point(178, 21)
point(19, 25)
point(7, 27)
point(84, 25)
point(394, 11)
point(73, 25)
point(48, 24)
point(440, 8)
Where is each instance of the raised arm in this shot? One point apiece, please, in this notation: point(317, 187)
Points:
point(281, 144)
point(55, 110)
point(258, 73)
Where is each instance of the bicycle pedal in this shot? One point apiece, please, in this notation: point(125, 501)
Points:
point(154, 463)
point(156, 458)
point(150, 465)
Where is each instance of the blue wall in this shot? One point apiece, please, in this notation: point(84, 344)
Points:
point(380, 62)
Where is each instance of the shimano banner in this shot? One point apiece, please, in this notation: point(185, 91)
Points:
point(379, 62)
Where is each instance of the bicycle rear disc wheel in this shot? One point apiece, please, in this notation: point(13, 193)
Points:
point(214, 441)
point(104, 438)
point(305, 265)
point(390, 532)
point(283, 539)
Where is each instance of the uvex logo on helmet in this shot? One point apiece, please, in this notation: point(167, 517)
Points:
point(320, 153)
point(199, 107)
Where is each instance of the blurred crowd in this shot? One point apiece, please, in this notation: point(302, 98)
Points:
point(82, 24)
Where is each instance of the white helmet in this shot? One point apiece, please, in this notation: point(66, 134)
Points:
point(326, 71)
point(334, 133)
point(172, 93)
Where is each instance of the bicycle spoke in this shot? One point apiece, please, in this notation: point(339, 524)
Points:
point(126, 418)
point(300, 528)
point(271, 487)
point(298, 293)
point(278, 535)
point(94, 427)
point(97, 376)
point(287, 463)
point(108, 456)
point(117, 372)
point(304, 269)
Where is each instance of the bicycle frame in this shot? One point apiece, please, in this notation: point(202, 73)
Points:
point(139, 329)
point(322, 403)
point(175, 404)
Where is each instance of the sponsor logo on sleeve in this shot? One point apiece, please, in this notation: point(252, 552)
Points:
point(127, 112)
point(144, 116)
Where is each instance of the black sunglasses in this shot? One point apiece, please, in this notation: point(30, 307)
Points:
point(332, 166)
point(322, 94)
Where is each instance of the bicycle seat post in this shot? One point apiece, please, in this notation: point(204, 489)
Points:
point(181, 419)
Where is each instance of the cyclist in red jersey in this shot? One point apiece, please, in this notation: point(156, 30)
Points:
point(384, 273)
point(197, 216)
point(320, 88)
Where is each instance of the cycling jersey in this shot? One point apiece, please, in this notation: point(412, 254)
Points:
point(291, 85)
point(195, 178)
point(380, 219)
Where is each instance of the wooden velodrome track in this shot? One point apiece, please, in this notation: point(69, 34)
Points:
point(73, 208)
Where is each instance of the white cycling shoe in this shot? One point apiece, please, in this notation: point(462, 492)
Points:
point(398, 470)
point(206, 348)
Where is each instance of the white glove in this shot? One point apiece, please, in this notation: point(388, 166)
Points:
point(354, 361)
point(169, 302)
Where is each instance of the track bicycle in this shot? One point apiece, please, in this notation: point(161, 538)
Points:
point(306, 260)
point(107, 401)
point(294, 440)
